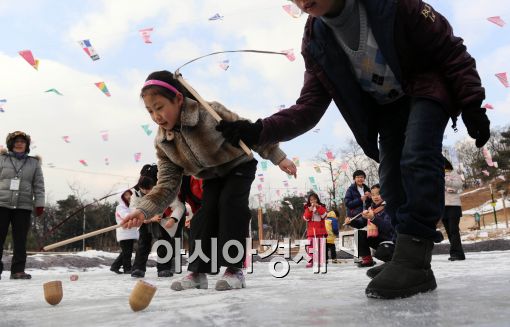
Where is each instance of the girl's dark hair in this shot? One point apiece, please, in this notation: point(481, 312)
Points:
point(359, 173)
point(167, 77)
point(146, 182)
point(316, 196)
point(123, 197)
point(447, 164)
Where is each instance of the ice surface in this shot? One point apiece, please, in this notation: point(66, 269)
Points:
point(474, 292)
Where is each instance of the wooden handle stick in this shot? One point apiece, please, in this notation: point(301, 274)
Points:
point(81, 237)
point(206, 105)
point(351, 219)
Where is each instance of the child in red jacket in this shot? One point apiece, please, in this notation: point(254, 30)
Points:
point(315, 214)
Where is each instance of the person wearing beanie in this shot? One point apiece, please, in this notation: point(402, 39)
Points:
point(21, 189)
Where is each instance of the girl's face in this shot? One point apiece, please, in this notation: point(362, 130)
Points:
point(313, 200)
point(163, 111)
point(376, 195)
point(127, 196)
point(318, 8)
point(20, 145)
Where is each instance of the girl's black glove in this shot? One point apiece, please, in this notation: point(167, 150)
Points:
point(233, 131)
point(477, 124)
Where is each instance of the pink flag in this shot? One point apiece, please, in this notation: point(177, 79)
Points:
point(104, 135)
point(488, 157)
point(344, 167)
point(497, 20)
point(502, 78)
point(488, 106)
point(485, 172)
point(138, 156)
point(66, 139)
point(224, 64)
point(501, 177)
point(146, 34)
point(292, 10)
point(330, 156)
point(29, 57)
point(83, 162)
point(289, 54)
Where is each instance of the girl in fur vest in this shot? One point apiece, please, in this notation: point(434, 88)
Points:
point(187, 143)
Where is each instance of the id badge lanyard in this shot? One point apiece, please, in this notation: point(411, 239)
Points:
point(15, 182)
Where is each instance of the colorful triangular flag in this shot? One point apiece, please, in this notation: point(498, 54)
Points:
point(2, 104)
point(487, 156)
point(293, 10)
point(289, 54)
point(263, 165)
point(216, 17)
point(503, 79)
point(146, 129)
point(224, 64)
point(103, 88)
point(54, 91)
point(146, 34)
point(89, 49)
point(104, 135)
point(497, 20)
point(29, 57)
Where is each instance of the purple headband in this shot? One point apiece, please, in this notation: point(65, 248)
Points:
point(161, 83)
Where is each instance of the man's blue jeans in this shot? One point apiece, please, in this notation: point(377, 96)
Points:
point(411, 167)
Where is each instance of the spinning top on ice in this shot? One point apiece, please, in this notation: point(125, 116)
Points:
point(73, 278)
point(141, 295)
point(53, 292)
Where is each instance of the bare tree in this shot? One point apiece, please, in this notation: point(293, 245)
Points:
point(470, 158)
point(354, 156)
point(329, 164)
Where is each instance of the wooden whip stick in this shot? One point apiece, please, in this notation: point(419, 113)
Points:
point(81, 237)
point(206, 105)
point(351, 219)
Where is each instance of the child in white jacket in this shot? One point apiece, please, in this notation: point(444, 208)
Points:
point(165, 226)
point(125, 236)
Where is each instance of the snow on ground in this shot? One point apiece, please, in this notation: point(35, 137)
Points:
point(486, 208)
point(475, 292)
